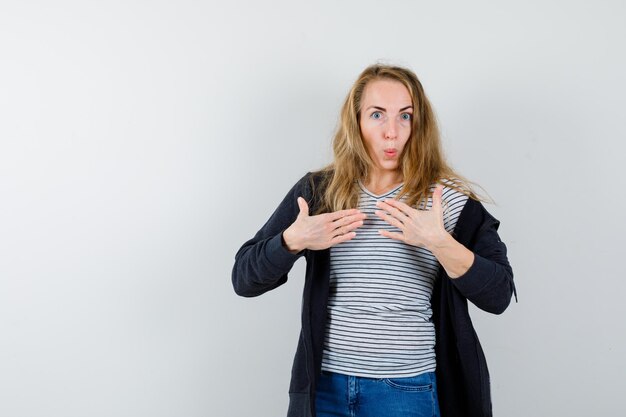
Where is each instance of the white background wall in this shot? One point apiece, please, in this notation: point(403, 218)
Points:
point(142, 142)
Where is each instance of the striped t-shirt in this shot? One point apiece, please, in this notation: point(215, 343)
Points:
point(379, 315)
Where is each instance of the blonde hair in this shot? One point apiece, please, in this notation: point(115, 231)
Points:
point(422, 161)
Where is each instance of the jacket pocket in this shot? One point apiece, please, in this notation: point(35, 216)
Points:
point(485, 383)
point(299, 405)
point(299, 375)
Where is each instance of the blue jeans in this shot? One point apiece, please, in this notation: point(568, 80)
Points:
point(352, 396)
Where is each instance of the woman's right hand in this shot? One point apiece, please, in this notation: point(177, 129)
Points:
point(321, 231)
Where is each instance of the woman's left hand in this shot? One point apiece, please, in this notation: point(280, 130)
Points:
point(422, 228)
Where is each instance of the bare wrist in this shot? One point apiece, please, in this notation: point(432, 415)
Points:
point(444, 240)
point(290, 243)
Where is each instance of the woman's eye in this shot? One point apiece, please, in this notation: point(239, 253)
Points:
point(376, 115)
point(406, 116)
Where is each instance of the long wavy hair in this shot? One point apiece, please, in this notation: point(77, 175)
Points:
point(422, 161)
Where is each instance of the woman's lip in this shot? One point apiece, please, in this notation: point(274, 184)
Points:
point(390, 152)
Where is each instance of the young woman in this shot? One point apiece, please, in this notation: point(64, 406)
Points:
point(396, 243)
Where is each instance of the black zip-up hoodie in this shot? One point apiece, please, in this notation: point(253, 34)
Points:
point(263, 263)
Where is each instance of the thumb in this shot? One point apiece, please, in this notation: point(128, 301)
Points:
point(304, 207)
point(437, 197)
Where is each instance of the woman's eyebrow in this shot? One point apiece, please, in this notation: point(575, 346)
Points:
point(384, 109)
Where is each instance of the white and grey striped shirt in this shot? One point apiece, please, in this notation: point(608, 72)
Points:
point(379, 315)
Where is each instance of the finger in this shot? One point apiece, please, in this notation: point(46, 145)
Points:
point(437, 197)
point(392, 235)
point(402, 207)
point(336, 215)
point(390, 219)
point(391, 210)
point(304, 207)
point(342, 238)
point(348, 228)
point(350, 219)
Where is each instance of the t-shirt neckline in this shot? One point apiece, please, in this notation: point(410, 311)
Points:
point(383, 195)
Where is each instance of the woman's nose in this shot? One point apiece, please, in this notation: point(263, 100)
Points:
point(391, 131)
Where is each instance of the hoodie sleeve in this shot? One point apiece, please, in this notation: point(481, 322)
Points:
point(488, 283)
point(262, 263)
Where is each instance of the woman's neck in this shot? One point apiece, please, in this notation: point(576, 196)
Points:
point(381, 182)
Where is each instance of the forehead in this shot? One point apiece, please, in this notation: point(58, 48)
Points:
point(385, 91)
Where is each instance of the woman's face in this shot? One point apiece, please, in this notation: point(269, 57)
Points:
point(386, 113)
